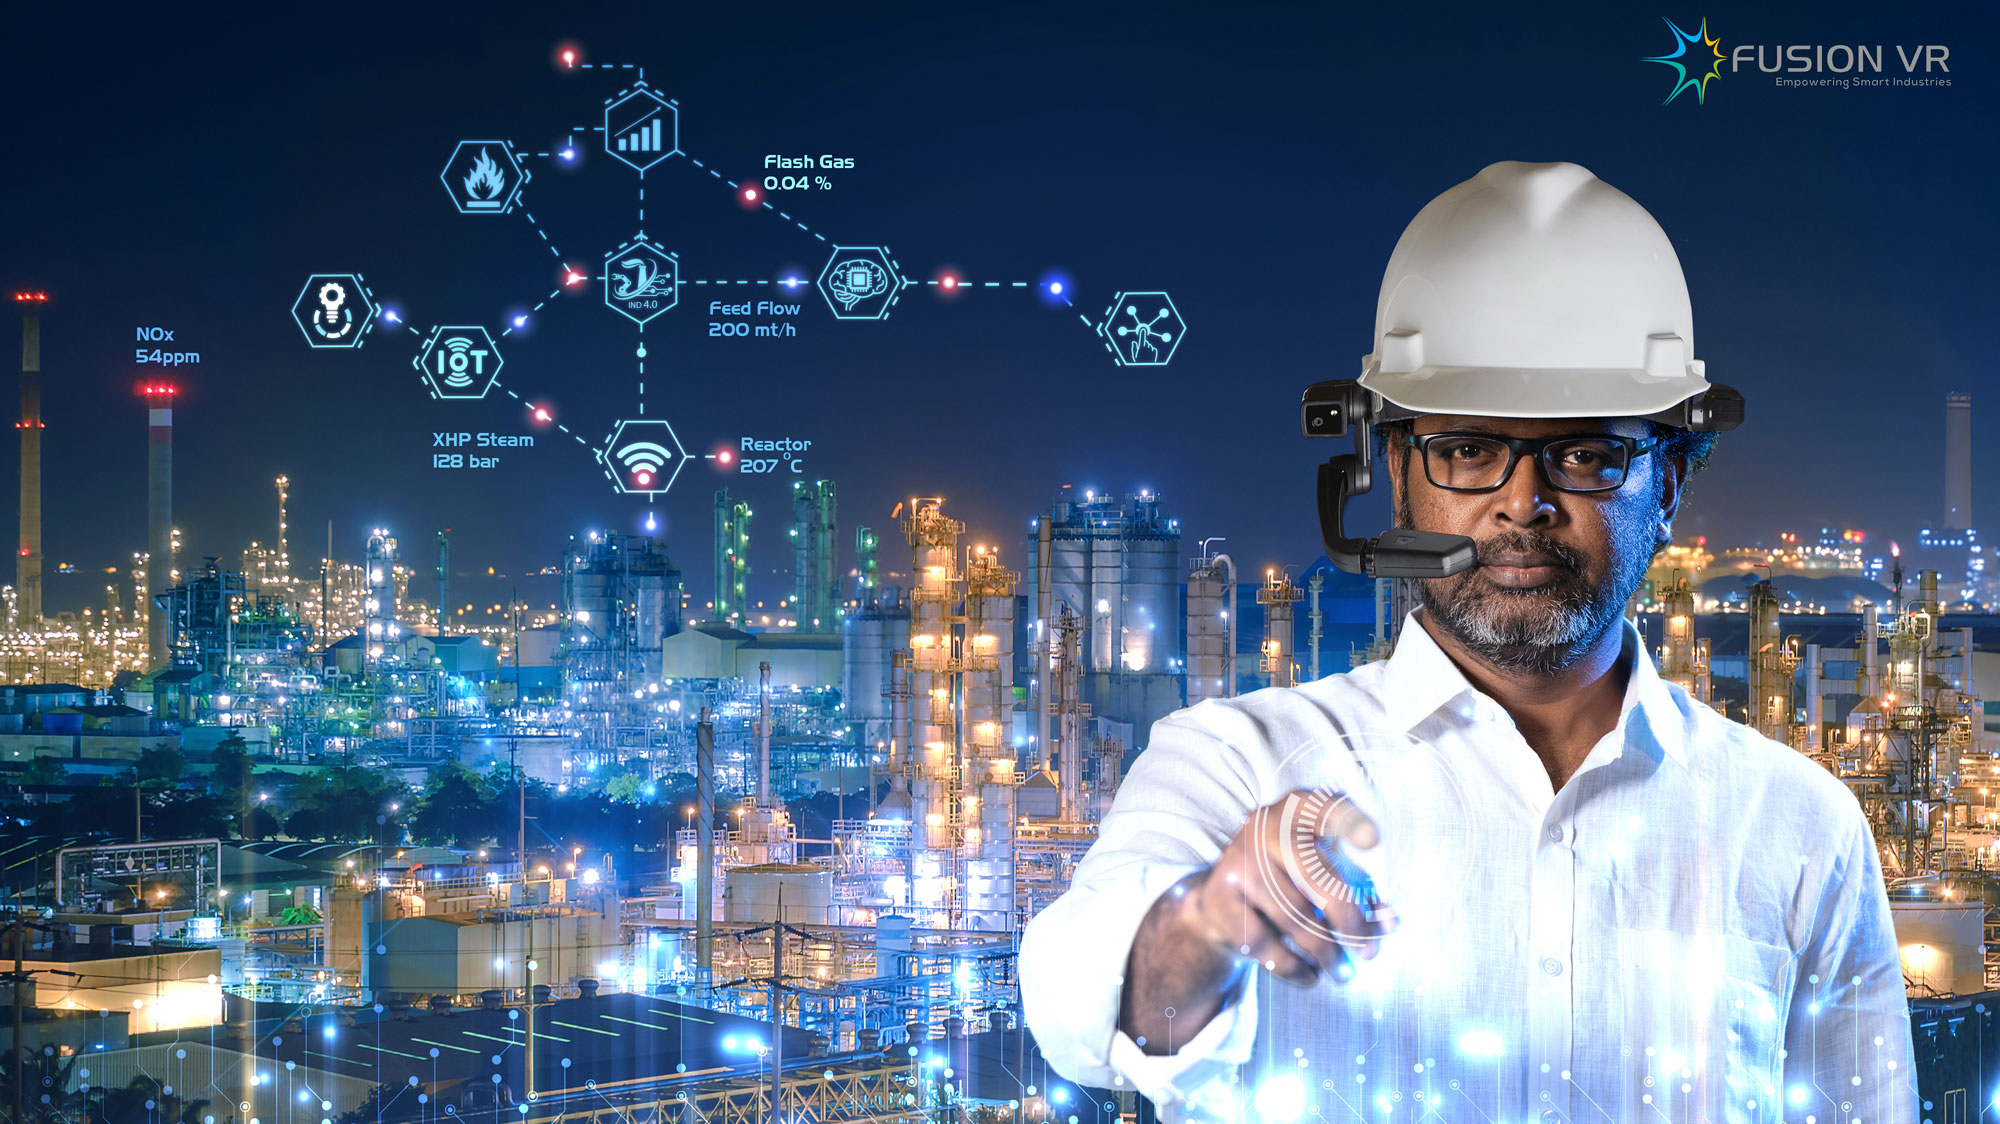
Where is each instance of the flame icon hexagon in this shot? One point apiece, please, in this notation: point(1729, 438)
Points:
point(484, 177)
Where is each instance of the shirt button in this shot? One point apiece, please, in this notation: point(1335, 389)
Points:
point(1556, 834)
point(1552, 966)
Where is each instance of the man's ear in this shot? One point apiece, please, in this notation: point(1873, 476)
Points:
point(1392, 464)
point(1673, 485)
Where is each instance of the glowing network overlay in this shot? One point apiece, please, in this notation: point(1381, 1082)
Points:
point(643, 280)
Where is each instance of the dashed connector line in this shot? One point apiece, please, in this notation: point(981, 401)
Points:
point(553, 294)
point(704, 281)
point(545, 236)
point(733, 185)
point(510, 393)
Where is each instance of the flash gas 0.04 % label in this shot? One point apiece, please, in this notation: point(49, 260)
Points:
point(803, 173)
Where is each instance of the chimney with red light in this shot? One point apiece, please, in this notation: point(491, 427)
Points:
point(28, 558)
point(159, 396)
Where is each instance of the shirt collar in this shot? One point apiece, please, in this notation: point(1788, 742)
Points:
point(1420, 678)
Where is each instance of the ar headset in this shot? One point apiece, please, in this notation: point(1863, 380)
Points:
point(1333, 409)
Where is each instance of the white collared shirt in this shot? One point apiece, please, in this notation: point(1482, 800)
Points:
point(1693, 929)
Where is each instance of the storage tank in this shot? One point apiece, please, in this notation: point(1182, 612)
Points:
point(754, 894)
point(879, 626)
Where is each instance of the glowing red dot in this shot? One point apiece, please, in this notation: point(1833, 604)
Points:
point(645, 478)
point(750, 193)
point(951, 282)
point(723, 456)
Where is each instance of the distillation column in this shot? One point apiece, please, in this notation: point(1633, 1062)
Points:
point(1278, 597)
point(28, 563)
point(1211, 628)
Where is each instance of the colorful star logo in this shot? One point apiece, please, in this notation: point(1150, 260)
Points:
point(1692, 68)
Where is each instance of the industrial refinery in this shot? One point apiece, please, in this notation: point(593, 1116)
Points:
point(775, 841)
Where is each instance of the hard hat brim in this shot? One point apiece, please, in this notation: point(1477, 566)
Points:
point(1533, 392)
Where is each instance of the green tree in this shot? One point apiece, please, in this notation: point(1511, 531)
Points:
point(344, 802)
point(44, 770)
point(160, 767)
point(456, 808)
point(142, 1099)
point(625, 788)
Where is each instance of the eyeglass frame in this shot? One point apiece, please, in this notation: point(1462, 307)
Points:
point(1518, 447)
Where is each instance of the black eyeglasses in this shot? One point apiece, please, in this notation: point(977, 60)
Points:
point(1575, 462)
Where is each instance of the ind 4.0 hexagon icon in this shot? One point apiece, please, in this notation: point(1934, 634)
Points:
point(643, 457)
point(641, 280)
point(459, 362)
point(1142, 329)
point(860, 282)
point(484, 177)
point(333, 310)
point(641, 127)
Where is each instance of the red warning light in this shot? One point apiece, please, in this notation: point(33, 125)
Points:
point(157, 390)
point(643, 477)
point(749, 196)
point(33, 297)
point(949, 281)
point(723, 457)
point(568, 55)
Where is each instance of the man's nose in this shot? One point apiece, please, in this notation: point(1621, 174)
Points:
point(1526, 497)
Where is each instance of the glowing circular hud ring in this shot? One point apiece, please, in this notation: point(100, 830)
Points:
point(1417, 799)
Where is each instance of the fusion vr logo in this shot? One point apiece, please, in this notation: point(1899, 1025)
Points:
point(1696, 59)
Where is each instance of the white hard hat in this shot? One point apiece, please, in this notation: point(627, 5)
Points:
point(1534, 291)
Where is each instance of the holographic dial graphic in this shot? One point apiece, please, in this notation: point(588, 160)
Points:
point(1414, 795)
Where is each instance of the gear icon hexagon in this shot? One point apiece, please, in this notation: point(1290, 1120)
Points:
point(1142, 329)
point(643, 457)
point(480, 184)
point(334, 310)
point(860, 282)
point(459, 361)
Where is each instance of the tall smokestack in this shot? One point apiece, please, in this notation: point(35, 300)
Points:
point(159, 398)
point(1957, 460)
point(28, 562)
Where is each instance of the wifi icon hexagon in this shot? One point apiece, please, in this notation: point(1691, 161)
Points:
point(643, 456)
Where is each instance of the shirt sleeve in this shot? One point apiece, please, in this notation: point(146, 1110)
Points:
point(1185, 797)
point(1848, 1050)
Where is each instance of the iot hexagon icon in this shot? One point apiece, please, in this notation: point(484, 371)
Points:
point(643, 457)
point(459, 362)
point(484, 177)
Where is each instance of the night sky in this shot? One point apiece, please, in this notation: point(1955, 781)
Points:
point(172, 168)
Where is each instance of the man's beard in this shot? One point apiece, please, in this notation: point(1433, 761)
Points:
point(1544, 630)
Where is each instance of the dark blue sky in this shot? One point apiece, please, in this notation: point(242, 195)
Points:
point(1257, 162)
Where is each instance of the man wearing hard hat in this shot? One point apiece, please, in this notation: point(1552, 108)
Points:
point(1509, 873)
